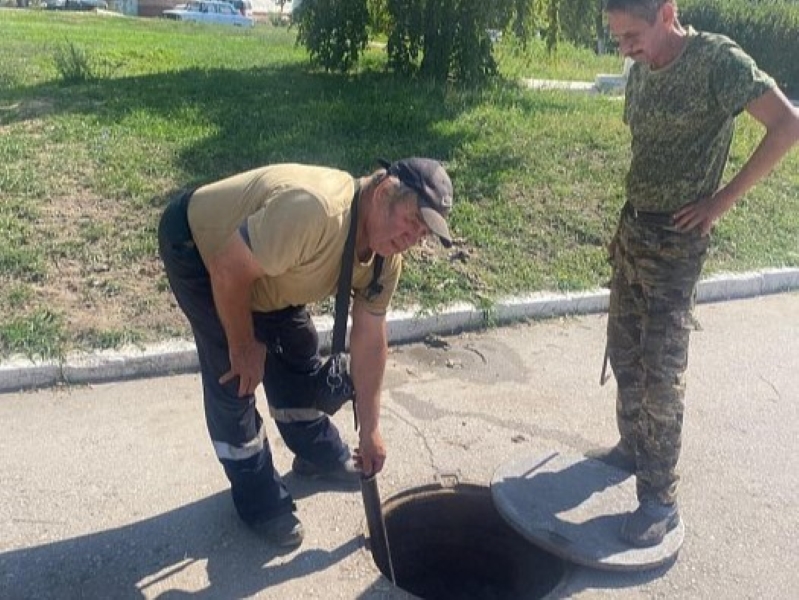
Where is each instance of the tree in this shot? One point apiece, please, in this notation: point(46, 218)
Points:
point(440, 39)
point(333, 31)
point(445, 40)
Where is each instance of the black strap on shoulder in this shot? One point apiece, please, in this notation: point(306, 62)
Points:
point(345, 280)
point(375, 288)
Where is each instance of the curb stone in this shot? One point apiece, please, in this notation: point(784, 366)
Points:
point(180, 356)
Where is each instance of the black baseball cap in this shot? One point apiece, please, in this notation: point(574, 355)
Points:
point(433, 187)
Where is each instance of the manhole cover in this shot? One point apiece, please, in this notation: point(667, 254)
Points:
point(450, 542)
point(574, 506)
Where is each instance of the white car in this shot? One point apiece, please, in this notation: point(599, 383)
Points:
point(209, 11)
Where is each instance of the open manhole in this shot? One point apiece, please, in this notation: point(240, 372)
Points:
point(450, 542)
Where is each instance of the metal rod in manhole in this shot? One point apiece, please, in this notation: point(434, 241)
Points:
point(378, 540)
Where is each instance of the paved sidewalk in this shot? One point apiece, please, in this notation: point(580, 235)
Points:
point(112, 490)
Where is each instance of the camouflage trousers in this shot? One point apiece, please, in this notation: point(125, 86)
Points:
point(655, 272)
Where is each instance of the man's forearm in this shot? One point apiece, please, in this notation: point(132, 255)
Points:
point(369, 352)
point(781, 120)
point(233, 307)
point(772, 148)
point(232, 273)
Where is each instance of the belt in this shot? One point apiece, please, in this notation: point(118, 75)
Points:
point(661, 219)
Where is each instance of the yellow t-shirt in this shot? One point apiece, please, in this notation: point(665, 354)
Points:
point(298, 218)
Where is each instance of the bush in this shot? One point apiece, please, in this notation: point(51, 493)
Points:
point(581, 21)
point(333, 31)
point(73, 64)
point(440, 39)
point(768, 30)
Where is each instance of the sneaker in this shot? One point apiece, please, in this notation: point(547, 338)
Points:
point(284, 531)
point(344, 473)
point(619, 456)
point(650, 523)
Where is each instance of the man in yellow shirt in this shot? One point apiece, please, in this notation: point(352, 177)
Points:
point(244, 256)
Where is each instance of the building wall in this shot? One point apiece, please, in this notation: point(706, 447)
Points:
point(144, 8)
point(264, 7)
point(154, 8)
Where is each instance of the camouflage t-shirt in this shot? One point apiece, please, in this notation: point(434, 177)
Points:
point(682, 119)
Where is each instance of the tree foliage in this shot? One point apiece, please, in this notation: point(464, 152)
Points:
point(333, 31)
point(581, 21)
point(440, 39)
point(768, 30)
point(444, 39)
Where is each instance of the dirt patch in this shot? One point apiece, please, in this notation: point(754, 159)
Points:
point(93, 278)
point(26, 110)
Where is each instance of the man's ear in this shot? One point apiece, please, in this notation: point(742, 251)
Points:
point(668, 13)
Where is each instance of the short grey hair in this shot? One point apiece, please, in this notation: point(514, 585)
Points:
point(643, 9)
point(396, 191)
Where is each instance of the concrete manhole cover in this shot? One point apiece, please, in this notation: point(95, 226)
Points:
point(573, 506)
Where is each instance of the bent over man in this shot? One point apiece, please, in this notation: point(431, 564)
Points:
point(683, 94)
point(244, 256)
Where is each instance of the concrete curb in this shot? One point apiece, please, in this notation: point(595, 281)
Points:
point(180, 356)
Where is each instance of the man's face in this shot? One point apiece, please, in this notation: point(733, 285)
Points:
point(638, 39)
point(399, 227)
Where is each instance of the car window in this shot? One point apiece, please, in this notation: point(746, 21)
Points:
point(213, 11)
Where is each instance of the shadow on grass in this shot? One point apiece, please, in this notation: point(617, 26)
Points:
point(283, 114)
point(141, 137)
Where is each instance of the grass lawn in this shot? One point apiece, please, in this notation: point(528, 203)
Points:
point(102, 119)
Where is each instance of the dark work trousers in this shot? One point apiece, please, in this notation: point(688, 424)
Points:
point(650, 319)
point(234, 423)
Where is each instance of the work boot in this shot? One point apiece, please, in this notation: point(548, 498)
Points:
point(619, 456)
point(284, 531)
point(650, 523)
point(343, 473)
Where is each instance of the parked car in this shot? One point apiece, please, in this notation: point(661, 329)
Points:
point(243, 6)
point(210, 11)
point(75, 4)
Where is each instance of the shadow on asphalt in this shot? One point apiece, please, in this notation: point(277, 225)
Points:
point(127, 562)
point(582, 578)
point(592, 539)
point(301, 487)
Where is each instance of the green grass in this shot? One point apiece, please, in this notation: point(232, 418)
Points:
point(103, 119)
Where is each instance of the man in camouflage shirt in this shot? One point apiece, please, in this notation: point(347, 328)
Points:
point(683, 94)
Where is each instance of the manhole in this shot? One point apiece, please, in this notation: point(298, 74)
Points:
point(450, 542)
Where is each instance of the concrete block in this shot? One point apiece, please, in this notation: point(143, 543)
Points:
point(407, 326)
point(21, 374)
point(728, 286)
point(780, 280)
point(161, 359)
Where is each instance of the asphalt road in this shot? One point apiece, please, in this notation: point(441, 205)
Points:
point(112, 491)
